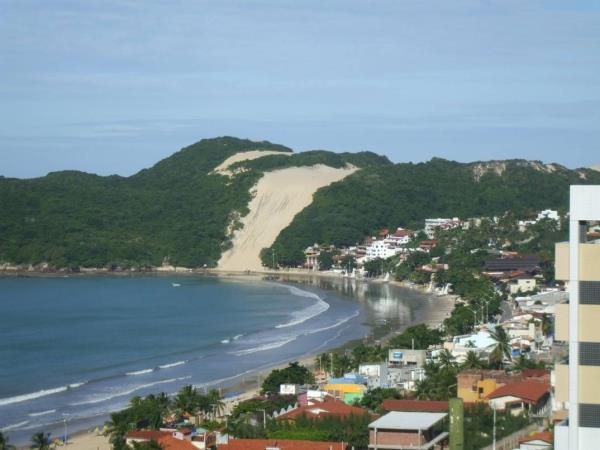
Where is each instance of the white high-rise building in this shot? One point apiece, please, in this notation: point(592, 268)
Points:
point(577, 383)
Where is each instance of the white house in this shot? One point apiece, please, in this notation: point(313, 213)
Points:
point(522, 284)
point(431, 225)
point(381, 249)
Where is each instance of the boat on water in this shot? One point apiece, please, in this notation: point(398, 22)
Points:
point(175, 284)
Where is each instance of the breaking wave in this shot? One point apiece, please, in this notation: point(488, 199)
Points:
point(32, 395)
point(305, 314)
point(264, 347)
point(127, 392)
point(175, 364)
point(140, 372)
point(42, 413)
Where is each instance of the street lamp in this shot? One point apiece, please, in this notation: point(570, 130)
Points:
point(474, 318)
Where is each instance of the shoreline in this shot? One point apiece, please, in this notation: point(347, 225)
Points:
point(433, 314)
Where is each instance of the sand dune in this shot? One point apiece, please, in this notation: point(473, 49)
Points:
point(245, 156)
point(280, 195)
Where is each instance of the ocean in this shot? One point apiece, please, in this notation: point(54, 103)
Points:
point(77, 348)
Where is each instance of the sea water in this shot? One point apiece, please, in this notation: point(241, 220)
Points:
point(77, 348)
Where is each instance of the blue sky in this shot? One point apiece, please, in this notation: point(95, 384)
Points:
point(114, 86)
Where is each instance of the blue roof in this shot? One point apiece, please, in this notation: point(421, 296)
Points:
point(349, 379)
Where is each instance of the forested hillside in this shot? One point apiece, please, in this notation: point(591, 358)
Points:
point(405, 194)
point(179, 210)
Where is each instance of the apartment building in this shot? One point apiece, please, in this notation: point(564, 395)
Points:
point(578, 323)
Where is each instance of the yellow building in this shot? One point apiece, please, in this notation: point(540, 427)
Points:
point(578, 323)
point(475, 385)
point(347, 392)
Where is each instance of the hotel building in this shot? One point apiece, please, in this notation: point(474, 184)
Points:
point(577, 383)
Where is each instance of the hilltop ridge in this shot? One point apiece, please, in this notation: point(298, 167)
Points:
point(182, 212)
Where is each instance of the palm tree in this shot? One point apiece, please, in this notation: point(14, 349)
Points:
point(41, 441)
point(4, 445)
point(446, 359)
point(186, 400)
point(502, 348)
point(215, 401)
point(473, 361)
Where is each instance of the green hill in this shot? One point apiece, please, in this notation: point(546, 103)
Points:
point(405, 194)
point(176, 209)
point(179, 210)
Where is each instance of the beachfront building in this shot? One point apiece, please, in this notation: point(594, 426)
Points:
point(311, 255)
point(578, 263)
point(381, 249)
point(408, 430)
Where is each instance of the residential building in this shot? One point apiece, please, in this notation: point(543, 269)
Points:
point(416, 406)
point(432, 225)
point(289, 389)
point(401, 357)
point(184, 439)
point(577, 323)
point(475, 385)
point(279, 444)
point(522, 263)
point(375, 373)
point(522, 283)
point(318, 409)
point(537, 441)
point(381, 249)
point(400, 237)
point(346, 389)
point(408, 430)
point(522, 396)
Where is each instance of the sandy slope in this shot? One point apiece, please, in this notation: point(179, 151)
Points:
point(244, 156)
point(280, 195)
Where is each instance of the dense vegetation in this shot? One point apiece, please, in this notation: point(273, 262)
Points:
point(405, 194)
point(179, 212)
point(150, 413)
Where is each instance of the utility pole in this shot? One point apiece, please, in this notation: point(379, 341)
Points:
point(331, 364)
point(273, 257)
point(494, 431)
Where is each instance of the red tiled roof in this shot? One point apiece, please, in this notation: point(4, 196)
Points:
point(262, 444)
point(545, 436)
point(415, 405)
point(329, 407)
point(403, 233)
point(171, 443)
point(535, 373)
point(526, 390)
point(147, 434)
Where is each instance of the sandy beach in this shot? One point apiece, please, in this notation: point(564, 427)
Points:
point(278, 197)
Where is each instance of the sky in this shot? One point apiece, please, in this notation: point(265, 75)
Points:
point(114, 86)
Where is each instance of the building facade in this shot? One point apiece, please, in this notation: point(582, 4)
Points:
point(577, 322)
